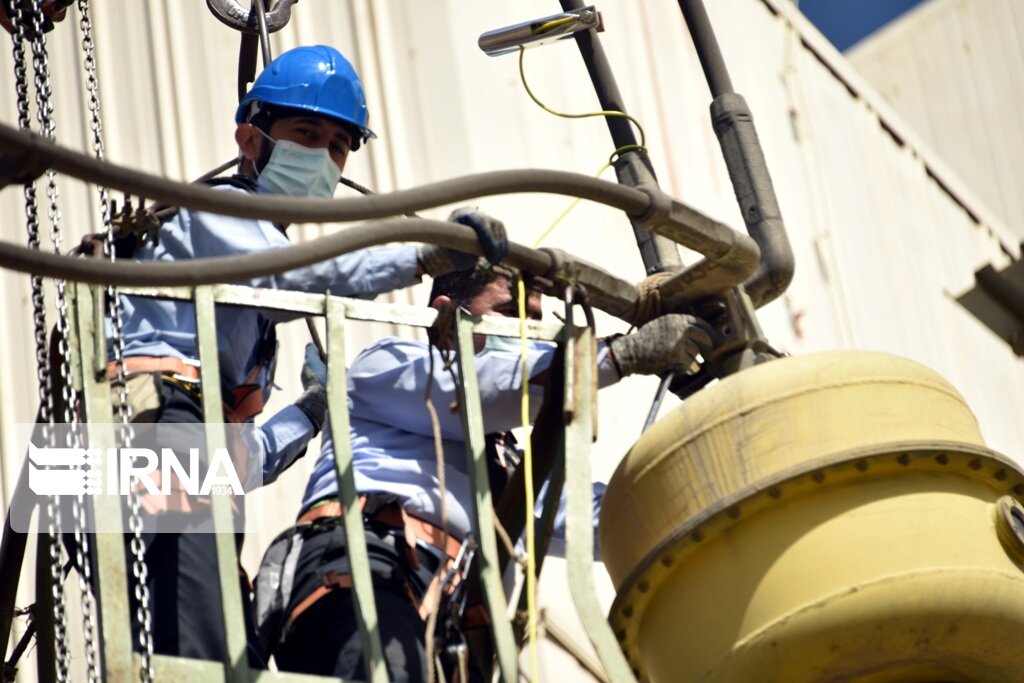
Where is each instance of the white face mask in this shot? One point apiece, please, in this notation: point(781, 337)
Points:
point(299, 171)
point(511, 345)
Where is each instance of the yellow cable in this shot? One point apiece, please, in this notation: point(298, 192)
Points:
point(531, 561)
point(607, 112)
point(531, 565)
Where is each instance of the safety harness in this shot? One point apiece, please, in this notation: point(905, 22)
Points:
point(241, 403)
point(133, 228)
point(280, 601)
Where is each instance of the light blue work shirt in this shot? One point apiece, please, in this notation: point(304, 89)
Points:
point(391, 431)
point(154, 327)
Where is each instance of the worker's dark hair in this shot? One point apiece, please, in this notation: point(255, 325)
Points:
point(462, 286)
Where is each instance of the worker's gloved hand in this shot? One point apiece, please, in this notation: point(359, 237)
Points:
point(313, 401)
point(490, 232)
point(669, 343)
point(314, 370)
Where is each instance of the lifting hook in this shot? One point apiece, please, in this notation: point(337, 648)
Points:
point(232, 13)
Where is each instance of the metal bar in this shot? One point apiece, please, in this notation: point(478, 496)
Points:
point(355, 535)
point(199, 671)
point(483, 510)
point(247, 48)
point(111, 582)
point(544, 528)
point(12, 558)
point(708, 52)
point(659, 397)
point(605, 87)
point(237, 660)
point(355, 309)
point(554, 631)
point(580, 520)
point(261, 23)
point(658, 253)
point(46, 652)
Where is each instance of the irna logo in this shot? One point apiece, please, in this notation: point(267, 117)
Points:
point(80, 471)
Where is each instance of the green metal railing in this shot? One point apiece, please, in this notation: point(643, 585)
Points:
point(119, 662)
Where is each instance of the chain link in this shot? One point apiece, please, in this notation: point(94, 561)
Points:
point(45, 383)
point(140, 572)
point(73, 436)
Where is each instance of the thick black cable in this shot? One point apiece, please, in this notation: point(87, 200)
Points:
point(45, 154)
point(708, 52)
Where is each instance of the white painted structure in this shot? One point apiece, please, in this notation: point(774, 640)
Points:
point(884, 233)
point(954, 69)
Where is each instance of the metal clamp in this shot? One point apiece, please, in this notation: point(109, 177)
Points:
point(540, 31)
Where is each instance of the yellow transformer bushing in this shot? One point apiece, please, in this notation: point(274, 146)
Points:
point(831, 517)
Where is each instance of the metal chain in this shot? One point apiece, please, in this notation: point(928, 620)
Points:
point(73, 437)
point(140, 571)
point(45, 384)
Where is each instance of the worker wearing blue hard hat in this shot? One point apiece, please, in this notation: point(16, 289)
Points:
point(300, 120)
point(296, 127)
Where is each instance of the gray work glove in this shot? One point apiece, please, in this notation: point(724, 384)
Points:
point(490, 232)
point(669, 343)
point(313, 401)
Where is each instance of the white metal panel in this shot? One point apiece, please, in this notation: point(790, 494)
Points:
point(955, 70)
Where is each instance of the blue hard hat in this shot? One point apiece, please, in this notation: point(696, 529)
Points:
point(315, 78)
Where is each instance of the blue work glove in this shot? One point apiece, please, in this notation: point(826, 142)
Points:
point(314, 370)
point(313, 401)
point(490, 232)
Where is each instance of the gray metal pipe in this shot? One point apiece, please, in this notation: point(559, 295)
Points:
point(730, 256)
point(658, 254)
point(748, 171)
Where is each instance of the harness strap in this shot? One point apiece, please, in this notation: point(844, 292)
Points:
point(331, 580)
point(393, 515)
point(163, 364)
point(413, 528)
point(246, 403)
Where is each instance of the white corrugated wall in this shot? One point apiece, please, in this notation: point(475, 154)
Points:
point(881, 247)
point(955, 70)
